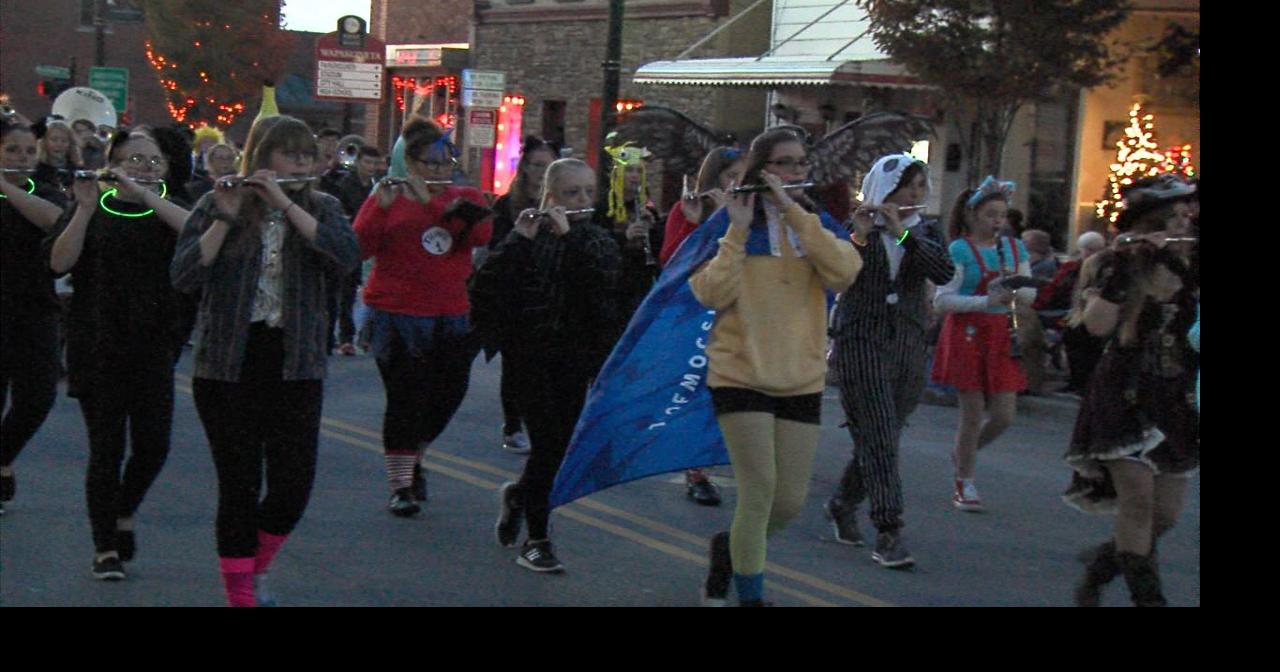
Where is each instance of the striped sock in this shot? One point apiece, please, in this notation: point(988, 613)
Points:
point(750, 587)
point(400, 470)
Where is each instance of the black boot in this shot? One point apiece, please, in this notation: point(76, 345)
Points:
point(1143, 579)
point(1101, 567)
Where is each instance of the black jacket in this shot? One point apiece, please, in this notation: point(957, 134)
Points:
point(864, 310)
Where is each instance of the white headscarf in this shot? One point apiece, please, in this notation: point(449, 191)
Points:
point(881, 181)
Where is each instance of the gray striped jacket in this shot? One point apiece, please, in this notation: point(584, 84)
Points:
point(230, 285)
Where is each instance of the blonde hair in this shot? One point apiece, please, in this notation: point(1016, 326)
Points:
point(73, 148)
point(556, 172)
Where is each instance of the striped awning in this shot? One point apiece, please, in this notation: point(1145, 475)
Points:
point(774, 72)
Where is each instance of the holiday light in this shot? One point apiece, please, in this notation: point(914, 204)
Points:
point(1138, 156)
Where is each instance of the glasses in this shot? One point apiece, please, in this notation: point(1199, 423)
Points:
point(437, 165)
point(140, 160)
point(299, 157)
point(791, 164)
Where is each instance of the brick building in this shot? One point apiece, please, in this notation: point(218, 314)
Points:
point(61, 33)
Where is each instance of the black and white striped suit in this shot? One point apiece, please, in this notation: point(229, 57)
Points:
point(879, 360)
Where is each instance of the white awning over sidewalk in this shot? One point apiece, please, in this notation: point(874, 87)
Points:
point(814, 42)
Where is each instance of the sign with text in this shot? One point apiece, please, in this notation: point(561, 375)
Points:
point(112, 83)
point(481, 125)
point(484, 79)
point(350, 74)
point(490, 100)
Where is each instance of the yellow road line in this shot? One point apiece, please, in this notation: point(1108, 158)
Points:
point(588, 503)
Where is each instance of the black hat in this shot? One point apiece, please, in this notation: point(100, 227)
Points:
point(1150, 193)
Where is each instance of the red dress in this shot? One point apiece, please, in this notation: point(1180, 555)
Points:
point(975, 349)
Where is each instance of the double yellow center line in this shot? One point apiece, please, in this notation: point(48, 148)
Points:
point(589, 511)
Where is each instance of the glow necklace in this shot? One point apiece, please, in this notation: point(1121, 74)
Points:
point(164, 190)
point(31, 187)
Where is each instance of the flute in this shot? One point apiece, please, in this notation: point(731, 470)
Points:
point(237, 180)
point(17, 171)
point(1177, 239)
point(756, 188)
point(105, 177)
point(568, 213)
point(396, 181)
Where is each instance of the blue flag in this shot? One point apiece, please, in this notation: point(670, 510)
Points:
point(649, 410)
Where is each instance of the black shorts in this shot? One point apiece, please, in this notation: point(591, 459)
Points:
point(806, 408)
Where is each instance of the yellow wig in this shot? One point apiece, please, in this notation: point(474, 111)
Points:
point(625, 155)
point(204, 132)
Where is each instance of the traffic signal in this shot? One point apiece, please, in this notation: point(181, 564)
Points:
point(50, 88)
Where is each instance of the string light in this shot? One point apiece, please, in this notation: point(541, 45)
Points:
point(1138, 156)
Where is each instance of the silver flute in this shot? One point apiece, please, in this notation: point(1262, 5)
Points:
point(237, 180)
point(568, 213)
point(1177, 239)
point(395, 181)
point(757, 188)
point(17, 171)
point(105, 177)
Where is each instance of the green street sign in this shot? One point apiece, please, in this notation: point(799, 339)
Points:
point(112, 83)
point(53, 71)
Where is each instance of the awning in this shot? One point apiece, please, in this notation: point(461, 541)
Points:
point(813, 43)
point(775, 71)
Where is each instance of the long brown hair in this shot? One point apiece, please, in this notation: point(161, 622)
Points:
point(519, 199)
point(758, 157)
point(958, 226)
point(266, 136)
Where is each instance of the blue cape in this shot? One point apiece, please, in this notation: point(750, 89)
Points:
point(649, 410)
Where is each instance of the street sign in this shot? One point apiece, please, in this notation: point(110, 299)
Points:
point(486, 99)
point(113, 83)
point(484, 79)
point(480, 128)
point(53, 71)
point(350, 74)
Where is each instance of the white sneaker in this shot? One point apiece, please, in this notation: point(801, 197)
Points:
point(966, 497)
point(517, 443)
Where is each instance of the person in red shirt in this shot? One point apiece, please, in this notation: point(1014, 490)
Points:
point(420, 233)
point(721, 169)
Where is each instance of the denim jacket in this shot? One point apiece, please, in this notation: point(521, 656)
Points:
point(311, 270)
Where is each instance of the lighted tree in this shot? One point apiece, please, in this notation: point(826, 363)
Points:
point(1137, 156)
point(1177, 160)
point(213, 56)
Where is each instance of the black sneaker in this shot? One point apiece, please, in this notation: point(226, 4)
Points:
point(402, 503)
point(126, 544)
point(537, 556)
point(891, 552)
point(108, 569)
point(8, 487)
point(715, 591)
point(844, 525)
point(704, 492)
point(419, 486)
point(510, 516)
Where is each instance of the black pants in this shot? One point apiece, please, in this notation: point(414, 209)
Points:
point(423, 392)
point(511, 419)
point(880, 386)
point(260, 421)
point(138, 402)
point(551, 393)
point(29, 367)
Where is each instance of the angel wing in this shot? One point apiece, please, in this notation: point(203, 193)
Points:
point(851, 150)
point(672, 136)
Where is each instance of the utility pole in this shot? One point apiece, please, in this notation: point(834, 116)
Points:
point(609, 101)
point(99, 34)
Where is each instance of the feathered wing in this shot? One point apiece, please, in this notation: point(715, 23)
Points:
point(849, 151)
point(672, 136)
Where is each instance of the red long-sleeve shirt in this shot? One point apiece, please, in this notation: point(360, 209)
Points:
point(418, 269)
point(678, 228)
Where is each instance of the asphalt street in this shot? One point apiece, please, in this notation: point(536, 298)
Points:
point(641, 544)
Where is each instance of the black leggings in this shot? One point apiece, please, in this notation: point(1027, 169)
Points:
point(29, 366)
point(551, 396)
point(511, 419)
point(424, 392)
point(261, 420)
point(139, 403)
